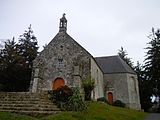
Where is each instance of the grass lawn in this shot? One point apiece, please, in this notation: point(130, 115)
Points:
point(13, 116)
point(95, 111)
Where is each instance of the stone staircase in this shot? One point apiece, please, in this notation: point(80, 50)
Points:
point(34, 104)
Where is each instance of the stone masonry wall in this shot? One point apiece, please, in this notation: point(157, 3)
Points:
point(97, 75)
point(63, 57)
point(125, 88)
point(133, 90)
point(119, 85)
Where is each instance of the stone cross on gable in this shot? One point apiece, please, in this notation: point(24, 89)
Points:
point(63, 24)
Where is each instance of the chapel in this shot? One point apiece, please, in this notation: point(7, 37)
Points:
point(65, 62)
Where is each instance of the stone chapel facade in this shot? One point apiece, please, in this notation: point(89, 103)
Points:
point(64, 62)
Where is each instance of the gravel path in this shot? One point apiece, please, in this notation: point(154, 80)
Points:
point(153, 116)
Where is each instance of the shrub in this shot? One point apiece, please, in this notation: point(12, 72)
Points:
point(67, 98)
point(102, 99)
point(60, 96)
point(76, 102)
point(119, 103)
point(88, 84)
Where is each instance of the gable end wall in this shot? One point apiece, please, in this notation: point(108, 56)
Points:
point(64, 58)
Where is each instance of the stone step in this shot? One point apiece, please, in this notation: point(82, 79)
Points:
point(29, 105)
point(22, 99)
point(26, 102)
point(20, 96)
point(23, 96)
point(24, 93)
point(32, 113)
point(29, 108)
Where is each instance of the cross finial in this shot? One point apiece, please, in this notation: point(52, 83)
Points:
point(63, 24)
point(64, 14)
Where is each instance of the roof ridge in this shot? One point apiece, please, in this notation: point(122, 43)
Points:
point(106, 56)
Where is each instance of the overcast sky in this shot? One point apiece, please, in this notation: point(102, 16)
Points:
point(100, 26)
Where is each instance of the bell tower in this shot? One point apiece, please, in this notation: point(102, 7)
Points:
point(63, 24)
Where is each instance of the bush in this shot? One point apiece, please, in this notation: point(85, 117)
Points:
point(67, 98)
point(75, 102)
point(102, 99)
point(60, 96)
point(119, 103)
point(88, 84)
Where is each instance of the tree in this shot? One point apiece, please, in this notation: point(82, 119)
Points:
point(28, 46)
point(152, 62)
point(10, 66)
point(144, 87)
point(123, 54)
point(16, 60)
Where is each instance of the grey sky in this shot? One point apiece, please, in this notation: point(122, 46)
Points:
point(100, 26)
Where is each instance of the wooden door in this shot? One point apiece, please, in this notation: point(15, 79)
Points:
point(57, 83)
point(110, 97)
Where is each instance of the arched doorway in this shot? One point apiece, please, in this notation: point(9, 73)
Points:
point(110, 97)
point(57, 83)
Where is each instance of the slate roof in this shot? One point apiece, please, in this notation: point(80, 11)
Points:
point(113, 64)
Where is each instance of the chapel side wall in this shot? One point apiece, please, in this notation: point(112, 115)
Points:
point(119, 85)
point(133, 90)
point(97, 75)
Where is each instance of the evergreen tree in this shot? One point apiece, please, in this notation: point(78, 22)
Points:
point(144, 88)
point(16, 60)
point(123, 54)
point(10, 66)
point(152, 62)
point(28, 46)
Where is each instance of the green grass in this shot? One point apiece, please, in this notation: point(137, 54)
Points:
point(95, 111)
point(13, 116)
